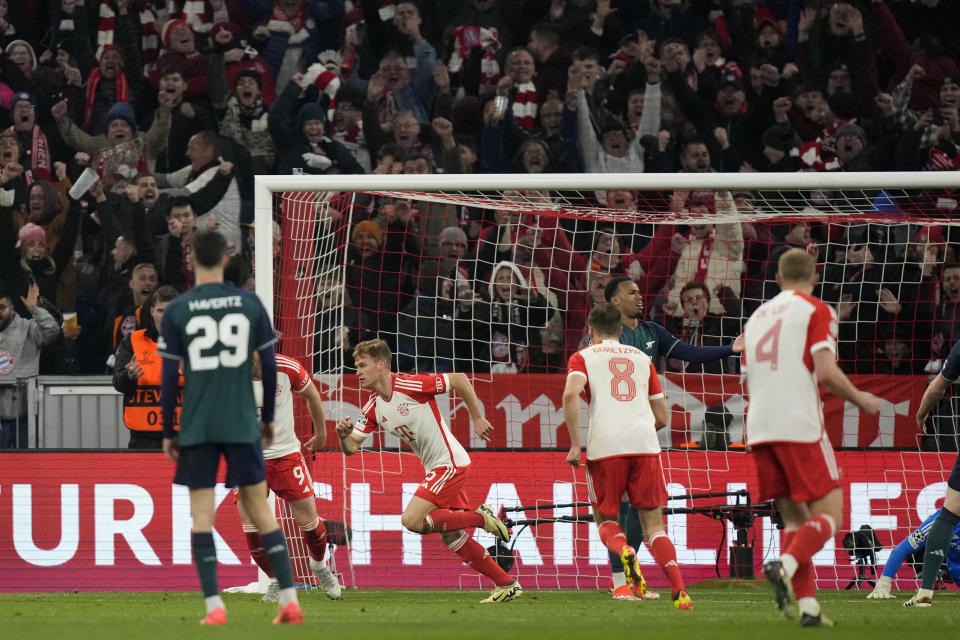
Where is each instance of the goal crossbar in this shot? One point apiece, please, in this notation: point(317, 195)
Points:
point(266, 185)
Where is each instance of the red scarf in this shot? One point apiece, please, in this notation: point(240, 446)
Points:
point(296, 22)
point(122, 88)
point(525, 105)
point(704, 261)
point(327, 81)
point(149, 39)
point(39, 155)
point(470, 36)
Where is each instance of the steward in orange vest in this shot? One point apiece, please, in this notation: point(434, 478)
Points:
point(137, 374)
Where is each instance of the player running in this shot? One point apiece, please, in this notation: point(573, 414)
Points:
point(212, 330)
point(791, 344)
point(626, 408)
point(288, 475)
point(941, 531)
point(916, 541)
point(404, 405)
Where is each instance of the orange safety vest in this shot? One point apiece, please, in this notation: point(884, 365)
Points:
point(142, 411)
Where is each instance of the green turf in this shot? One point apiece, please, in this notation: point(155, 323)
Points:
point(722, 611)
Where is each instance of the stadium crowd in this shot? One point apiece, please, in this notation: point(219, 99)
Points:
point(127, 124)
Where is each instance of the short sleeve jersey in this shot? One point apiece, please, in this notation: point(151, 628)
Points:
point(621, 380)
point(291, 377)
point(213, 329)
point(780, 340)
point(412, 415)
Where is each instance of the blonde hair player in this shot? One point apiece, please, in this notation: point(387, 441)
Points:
point(404, 405)
point(791, 345)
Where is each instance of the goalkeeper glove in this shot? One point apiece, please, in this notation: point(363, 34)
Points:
point(882, 590)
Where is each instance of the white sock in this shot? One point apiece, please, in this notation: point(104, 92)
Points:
point(924, 593)
point(213, 602)
point(809, 606)
point(619, 580)
point(789, 564)
point(287, 596)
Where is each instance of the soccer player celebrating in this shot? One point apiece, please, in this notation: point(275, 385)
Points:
point(404, 405)
point(287, 472)
point(212, 331)
point(655, 341)
point(941, 531)
point(913, 543)
point(626, 408)
point(791, 344)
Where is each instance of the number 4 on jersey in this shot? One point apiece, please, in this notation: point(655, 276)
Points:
point(769, 345)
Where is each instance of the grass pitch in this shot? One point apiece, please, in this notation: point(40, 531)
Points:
point(744, 610)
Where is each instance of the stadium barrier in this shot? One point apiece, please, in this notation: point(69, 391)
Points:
point(103, 521)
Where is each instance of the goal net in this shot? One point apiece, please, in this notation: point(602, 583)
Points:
point(493, 276)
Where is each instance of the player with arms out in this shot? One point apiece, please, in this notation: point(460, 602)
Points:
point(626, 408)
point(287, 473)
point(404, 405)
point(791, 344)
point(212, 331)
point(941, 531)
point(914, 543)
point(655, 341)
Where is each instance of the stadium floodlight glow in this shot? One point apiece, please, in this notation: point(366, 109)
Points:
point(318, 214)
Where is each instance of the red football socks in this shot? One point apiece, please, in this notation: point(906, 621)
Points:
point(810, 538)
point(315, 535)
point(804, 581)
point(479, 560)
point(612, 536)
point(442, 520)
point(255, 545)
point(666, 556)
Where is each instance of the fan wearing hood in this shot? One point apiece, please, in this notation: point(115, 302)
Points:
point(301, 139)
point(518, 314)
point(439, 333)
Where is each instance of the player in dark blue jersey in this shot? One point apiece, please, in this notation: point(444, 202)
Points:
point(212, 332)
point(914, 542)
point(941, 531)
point(655, 341)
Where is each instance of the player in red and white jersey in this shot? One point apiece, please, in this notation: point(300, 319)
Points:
point(626, 407)
point(790, 347)
point(405, 406)
point(288, 475)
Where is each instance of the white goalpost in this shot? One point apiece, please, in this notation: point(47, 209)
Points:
point(369, 255)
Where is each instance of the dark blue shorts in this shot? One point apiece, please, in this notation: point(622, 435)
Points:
point(197, 465)
point(954, 480)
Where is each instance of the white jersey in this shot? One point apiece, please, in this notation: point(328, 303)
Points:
point(412, 415)
point(291, 376)
point(781, 338)
point(621, 381)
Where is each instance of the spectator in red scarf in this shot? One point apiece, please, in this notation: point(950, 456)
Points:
point(106, 85)
point(714, 254)
point(35, 154)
